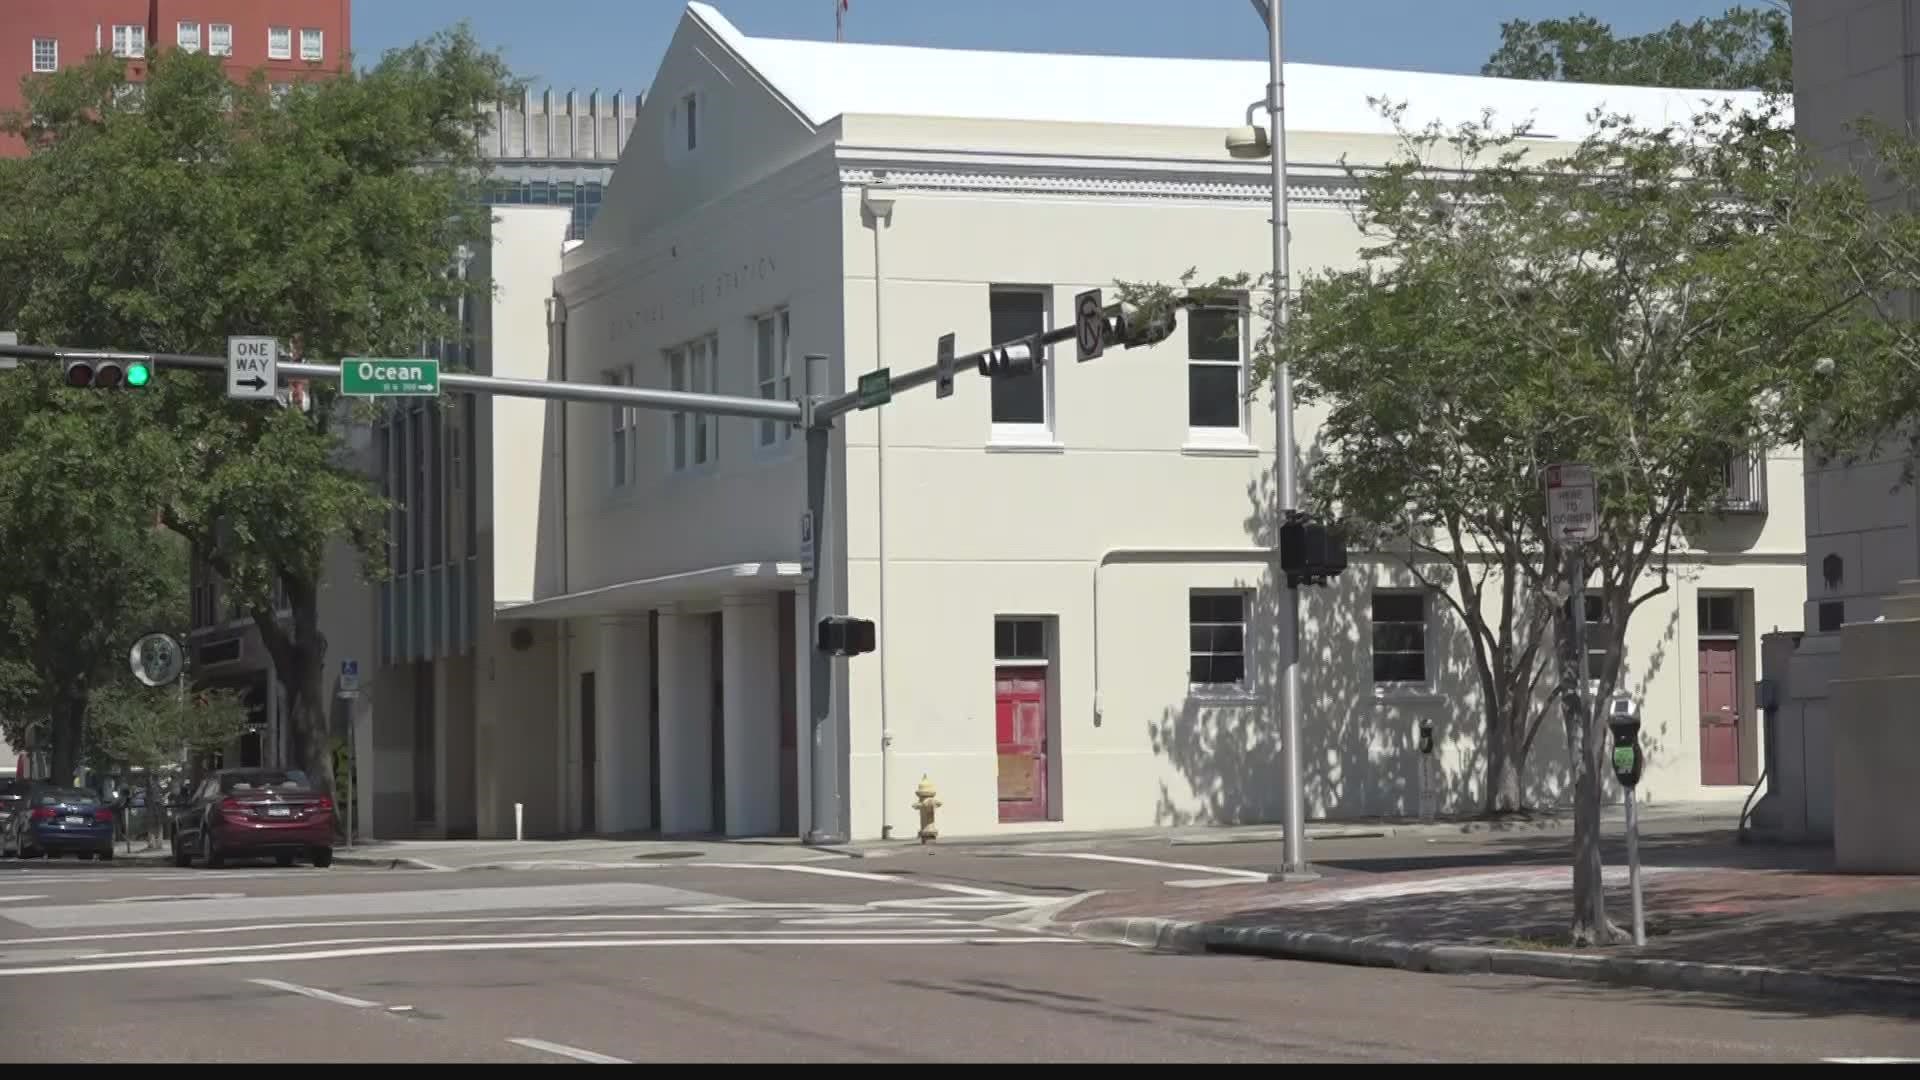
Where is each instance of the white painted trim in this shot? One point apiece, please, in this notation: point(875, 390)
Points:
point(565, 1051)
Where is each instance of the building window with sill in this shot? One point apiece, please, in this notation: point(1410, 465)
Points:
point(626, 419)
point(1216, 373)
point(46, 55)
point(187, 36)
point(130, 42)
point(1217, 645)
point(773, 364)
point(693, 368)
point(313, 45)
point(1022, 405)
point(1399, 639)
point(279, 42)
point(220, 39)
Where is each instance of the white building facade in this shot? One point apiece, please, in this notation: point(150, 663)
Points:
point(1069, 573)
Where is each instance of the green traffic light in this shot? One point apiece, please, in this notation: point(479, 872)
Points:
point(138, 374)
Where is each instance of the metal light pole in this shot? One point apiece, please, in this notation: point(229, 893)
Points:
point(1288, 690)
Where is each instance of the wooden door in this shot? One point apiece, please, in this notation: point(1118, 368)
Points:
point(1020, 728)
point(1720, 713)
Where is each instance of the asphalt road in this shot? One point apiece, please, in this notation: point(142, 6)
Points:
point(914, 957)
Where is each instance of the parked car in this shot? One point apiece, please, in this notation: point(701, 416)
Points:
point(13, 796)
point(253, 813)
point(53, 819)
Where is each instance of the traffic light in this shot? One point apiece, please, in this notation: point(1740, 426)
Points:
point(108, 373)
point(1311, 553)
point(843, 636)
point(1004, 361)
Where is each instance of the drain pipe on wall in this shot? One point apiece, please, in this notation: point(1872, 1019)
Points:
point(876, 200)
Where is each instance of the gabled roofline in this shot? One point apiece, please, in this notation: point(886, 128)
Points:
point(728, 37)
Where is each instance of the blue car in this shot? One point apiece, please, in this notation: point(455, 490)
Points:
point(57, 819)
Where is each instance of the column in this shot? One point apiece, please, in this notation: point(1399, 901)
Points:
point(686, 739)
point(749, 651)
point(621, 775)
point(803, 705)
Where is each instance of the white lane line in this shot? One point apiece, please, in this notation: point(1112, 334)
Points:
point(18, 899)
point(960, 929)
point(573, 1052)
point(269, 928)
point(1215, 871)
point(515, 946)
point(890, 879)
point(322, 995)
point(177, 896)
point(1871, 1061)
point(1207, 882)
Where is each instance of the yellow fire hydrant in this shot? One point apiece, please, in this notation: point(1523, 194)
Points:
point(926, 804)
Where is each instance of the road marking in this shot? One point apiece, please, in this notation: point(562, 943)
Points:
point(515, 946)
point(1871, 1061)
point(1216, 871)
point(267, 928)
point(17, 899)
point(322, 995)
point(210, 950)
point(1206, 882)
point(857, 875)
point(573, 1052)
point(178, 896)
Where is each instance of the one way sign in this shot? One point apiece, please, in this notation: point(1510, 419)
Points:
point(252, 368)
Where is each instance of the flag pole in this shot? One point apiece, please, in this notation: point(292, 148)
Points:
point(839, 20)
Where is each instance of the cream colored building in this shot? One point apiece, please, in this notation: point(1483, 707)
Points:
point(1070, 575)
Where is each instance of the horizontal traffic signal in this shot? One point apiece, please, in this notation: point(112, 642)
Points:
point(107, 373)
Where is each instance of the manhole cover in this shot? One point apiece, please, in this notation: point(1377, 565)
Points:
point(661, 856)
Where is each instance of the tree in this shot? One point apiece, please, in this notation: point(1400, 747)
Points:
point(196, 209)
point(84, 568)
point(152, 729)
point(1744, 49)
point(1654, 302)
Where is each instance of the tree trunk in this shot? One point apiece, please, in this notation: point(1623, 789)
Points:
point(1590, 923)
point(1506, 761)
point(153, 809)
point(305, 680)
point(64, 728)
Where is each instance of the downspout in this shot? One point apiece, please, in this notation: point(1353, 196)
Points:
point(1262, 555)
point(557, 351)
point(878, 204)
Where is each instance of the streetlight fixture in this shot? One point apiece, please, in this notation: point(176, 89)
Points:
point(1246, 142)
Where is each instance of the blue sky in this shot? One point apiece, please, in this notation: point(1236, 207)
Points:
point(616, 44)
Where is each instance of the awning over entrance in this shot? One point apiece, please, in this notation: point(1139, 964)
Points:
point(634, 597)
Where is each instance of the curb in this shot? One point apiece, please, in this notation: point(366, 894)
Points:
point(1172, 935)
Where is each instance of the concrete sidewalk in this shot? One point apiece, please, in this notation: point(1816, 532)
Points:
point(1716, 921)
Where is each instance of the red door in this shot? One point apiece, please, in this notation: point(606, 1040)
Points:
point(1720, 713)
point(1020, 724)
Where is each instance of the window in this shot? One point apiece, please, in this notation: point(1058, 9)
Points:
point(1217, 624)
point(220, 39)
point(46, 54)
point(1597, 631)
point(1020, 641)
point(130, 41)
point(690, 114)
point(187, 36)
point(279, 43)
point(313, 45)
point(1399, 638)
point(1020, 403)
point(694, 368)
point(1216, 371)
point(626, 419)
point(279, 92)
point(1719, 616)
point(774, 368)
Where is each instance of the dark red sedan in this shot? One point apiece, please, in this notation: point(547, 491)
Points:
point(253, 813)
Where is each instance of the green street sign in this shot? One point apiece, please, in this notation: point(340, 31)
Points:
point(876, 388)
point(363, 377)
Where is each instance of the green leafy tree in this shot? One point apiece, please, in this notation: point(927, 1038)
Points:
point(197, 209)
point(1744, 49)
point(153, 729)
point(1655, 302)
point(84, 567)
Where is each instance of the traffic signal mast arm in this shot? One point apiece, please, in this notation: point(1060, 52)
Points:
point(590, 393)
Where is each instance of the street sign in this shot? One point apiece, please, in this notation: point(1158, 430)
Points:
point(1090, 325)
point(252, 368)
point(349, 678)
point(806, 542)
point(876, 388)
point(943, 380)
point(368, 377)
point(156, 660)
point(1573, 504)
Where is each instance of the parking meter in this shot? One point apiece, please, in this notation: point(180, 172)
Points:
point(1426, 736)
point(1623, 718)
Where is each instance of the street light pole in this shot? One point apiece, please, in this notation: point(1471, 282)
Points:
point(1288, 690)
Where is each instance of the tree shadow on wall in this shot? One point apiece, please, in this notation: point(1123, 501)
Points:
point(1360, 755)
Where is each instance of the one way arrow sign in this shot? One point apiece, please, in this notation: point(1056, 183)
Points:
point(252, 368)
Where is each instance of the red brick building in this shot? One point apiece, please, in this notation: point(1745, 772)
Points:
point(292, 39)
